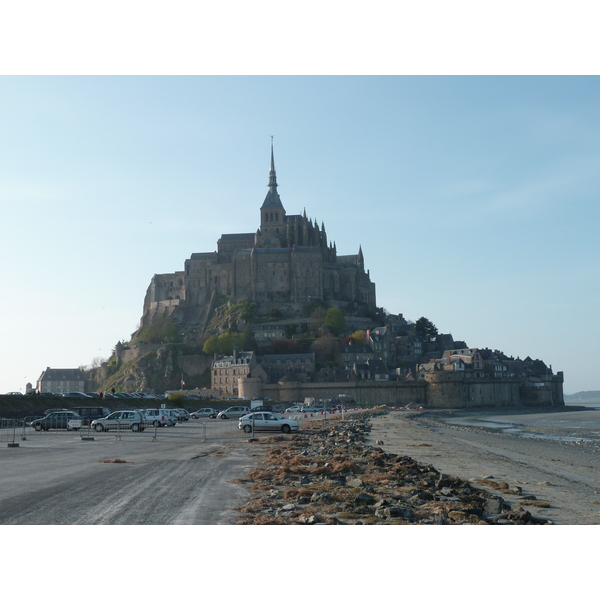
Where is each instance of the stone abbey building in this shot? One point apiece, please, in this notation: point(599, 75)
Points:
point(287, 263)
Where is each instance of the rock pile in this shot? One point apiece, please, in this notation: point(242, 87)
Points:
point(327, 474)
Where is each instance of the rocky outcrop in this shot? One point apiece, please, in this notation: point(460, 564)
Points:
point(158, 370)
point(328, 475)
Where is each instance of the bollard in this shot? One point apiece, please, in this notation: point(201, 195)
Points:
point(23, 434)
point(13, 444)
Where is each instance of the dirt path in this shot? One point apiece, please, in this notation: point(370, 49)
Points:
point(565, 475)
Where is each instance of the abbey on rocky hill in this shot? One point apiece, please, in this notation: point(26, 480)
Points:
point(287, 264)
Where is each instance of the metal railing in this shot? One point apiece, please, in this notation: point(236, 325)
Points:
point(13, 431)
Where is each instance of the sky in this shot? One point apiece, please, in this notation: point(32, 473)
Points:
point(474, 199)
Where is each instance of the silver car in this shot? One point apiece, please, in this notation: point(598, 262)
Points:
point(205, 412)
point(267, 421)
point(121, 419)
point(233, 412)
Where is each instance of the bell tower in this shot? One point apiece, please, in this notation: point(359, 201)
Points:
point(272, 213)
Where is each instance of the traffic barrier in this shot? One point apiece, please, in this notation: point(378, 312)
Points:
point(195, 430)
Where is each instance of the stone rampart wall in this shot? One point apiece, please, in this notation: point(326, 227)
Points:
point(392, 393)
point(439, 390)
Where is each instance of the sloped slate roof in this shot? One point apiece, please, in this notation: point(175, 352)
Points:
point(62, 375)
point(272, 200)
point(237, 237)
point(289, 376)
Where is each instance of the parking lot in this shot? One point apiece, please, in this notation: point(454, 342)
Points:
point(205, 429)
point(166, 475)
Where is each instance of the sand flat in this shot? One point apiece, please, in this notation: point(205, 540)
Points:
point(565, 474)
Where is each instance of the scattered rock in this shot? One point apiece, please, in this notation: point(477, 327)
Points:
point(319, 467)
point(354, 482)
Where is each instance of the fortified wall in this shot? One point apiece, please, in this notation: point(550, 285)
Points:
point(438, 390)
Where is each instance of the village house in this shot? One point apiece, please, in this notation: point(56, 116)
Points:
point(61, 381)
point(226, 370)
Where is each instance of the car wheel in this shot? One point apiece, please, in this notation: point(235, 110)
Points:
point(285, 429)
point(38, 427)
point(156, 424)
point(135, 427)
point(99, 427)
point(223, 417)
point(213, 416)
point(75, 428)
point(248, 428)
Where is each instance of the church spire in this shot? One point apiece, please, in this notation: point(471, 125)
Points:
point(272, 213)
point(272, 173)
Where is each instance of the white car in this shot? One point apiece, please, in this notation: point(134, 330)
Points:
point(293, 409)
point(233, 412)
point(205, 412)
point(267, 421)
point(159, 417)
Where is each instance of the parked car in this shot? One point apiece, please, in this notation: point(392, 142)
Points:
point(173, 415)
point(182, 414)
point(293, 409)
point(262, 408)
point(205, 412)
point(159, 417)
point(75, 395)
point(279, 408)
point(61, 419)
point(234, 412)
point(267, 421)
point(89, 413)
point(121, 419)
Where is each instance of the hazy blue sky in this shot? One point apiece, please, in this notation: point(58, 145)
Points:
point(475, 200)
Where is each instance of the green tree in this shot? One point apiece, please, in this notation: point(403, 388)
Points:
point(359, 337)
point(161, 331)
point(326, 350)
point(317, 320)
point(335, 320)
point(248, 339)
point(426, 329)
point(224, 343)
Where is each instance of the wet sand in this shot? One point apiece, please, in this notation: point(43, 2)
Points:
point(528, 451)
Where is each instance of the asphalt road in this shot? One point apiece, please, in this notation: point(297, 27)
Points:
point(59, 479)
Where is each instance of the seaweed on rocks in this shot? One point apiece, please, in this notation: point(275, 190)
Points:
point(326, 474)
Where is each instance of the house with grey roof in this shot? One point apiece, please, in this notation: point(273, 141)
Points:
point(61, 381)
point(226, 370)
point(355, 353)
point(278, 365)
